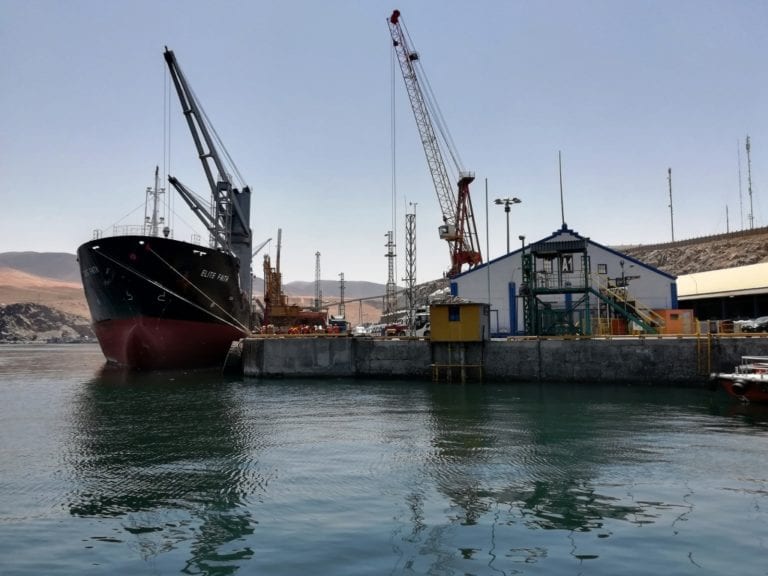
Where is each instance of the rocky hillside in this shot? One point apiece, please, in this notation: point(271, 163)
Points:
point(36, 322)
point(704, 254)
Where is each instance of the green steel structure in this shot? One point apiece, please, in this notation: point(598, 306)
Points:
point(557, 289)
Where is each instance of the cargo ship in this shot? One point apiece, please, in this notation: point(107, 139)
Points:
point(157, 302)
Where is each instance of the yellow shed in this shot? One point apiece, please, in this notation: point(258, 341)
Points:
point(459, 322)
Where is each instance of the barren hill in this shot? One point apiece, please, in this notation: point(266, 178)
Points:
point(705, 253)
point(56, 265)
point(17, 286)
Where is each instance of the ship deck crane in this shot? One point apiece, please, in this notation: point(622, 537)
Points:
point(458, 227)
point(260, 246)
point(228, 219)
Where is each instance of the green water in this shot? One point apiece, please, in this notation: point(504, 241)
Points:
point(107, 472)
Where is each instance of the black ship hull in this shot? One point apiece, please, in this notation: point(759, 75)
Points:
point(160, 303)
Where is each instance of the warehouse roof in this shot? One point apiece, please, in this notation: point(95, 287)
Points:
point(741, 281)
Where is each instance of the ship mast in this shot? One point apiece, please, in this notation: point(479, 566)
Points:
point(228, 219)
point(153, 221)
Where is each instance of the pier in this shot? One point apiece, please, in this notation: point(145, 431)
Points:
point(661, 360)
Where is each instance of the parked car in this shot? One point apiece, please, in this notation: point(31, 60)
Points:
point(395, 329)
point(757, 325)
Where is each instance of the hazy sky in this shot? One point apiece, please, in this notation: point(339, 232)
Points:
point(301, 94)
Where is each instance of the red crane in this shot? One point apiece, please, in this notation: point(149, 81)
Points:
point(458, 227)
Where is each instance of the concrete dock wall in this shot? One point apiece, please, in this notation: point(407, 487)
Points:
point(590, 360)
point(619, 360)
point(336, 358)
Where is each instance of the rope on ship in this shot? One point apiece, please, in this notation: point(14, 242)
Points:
point(235, 320)
point(237, 325)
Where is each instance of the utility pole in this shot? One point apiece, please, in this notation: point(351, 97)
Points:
point(671, 214)
point(741, 196)
point(749, 185)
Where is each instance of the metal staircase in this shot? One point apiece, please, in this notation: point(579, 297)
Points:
point(621, 301)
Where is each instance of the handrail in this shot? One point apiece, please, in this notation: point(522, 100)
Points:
point(634, 307)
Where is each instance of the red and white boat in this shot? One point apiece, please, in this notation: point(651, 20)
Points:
point(749, 380)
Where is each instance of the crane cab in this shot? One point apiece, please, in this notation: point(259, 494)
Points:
point(448, 232)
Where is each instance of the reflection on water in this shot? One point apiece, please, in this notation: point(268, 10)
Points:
point(564, 464)
point(184, 471)
point(154, 447)
point(541, 459)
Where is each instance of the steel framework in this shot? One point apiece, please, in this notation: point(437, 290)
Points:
point(458, 227)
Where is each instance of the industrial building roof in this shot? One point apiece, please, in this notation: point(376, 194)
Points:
point(572, 241)
point(741, 281)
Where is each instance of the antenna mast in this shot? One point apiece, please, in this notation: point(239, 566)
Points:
point(671, 214)
point(562, 204)
point(749, 185)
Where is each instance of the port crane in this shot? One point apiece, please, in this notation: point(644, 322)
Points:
point(458, 227)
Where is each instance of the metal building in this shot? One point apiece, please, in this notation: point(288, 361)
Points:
point(568, 284)
point(730, 293)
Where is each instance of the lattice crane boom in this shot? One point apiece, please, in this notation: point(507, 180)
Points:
point(458, 228)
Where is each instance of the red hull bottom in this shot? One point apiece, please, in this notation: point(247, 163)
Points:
point(155, 343)
point(749, 391)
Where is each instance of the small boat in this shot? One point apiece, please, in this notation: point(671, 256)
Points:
point(749, 380)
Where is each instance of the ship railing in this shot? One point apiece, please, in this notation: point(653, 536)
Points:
point(134, 230)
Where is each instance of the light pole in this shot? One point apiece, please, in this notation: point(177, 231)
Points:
point(507, 202)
